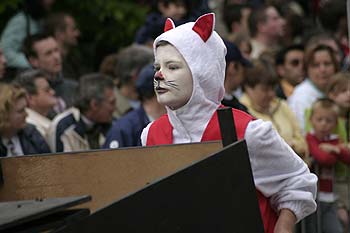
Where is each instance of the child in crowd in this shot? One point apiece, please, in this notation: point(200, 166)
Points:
point(326, 149)
point(339, 92)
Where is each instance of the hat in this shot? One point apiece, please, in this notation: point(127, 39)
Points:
point(144, 82)
point(234, 54)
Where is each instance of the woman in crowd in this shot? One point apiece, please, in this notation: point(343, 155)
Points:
point(17, 137)
point(260, 99)
point(321, 64)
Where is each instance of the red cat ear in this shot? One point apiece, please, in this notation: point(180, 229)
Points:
point(169, 24)
point(204, 26)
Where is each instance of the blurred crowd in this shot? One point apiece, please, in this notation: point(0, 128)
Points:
point(287, 62)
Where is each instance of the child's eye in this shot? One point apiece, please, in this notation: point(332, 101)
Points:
point(172, 67)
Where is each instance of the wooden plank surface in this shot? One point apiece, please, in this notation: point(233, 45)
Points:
point(106, 175)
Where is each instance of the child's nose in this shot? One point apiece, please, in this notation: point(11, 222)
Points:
point(158, 76)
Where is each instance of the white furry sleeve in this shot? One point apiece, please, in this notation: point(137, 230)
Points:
point(278, 172)
point(144, 134)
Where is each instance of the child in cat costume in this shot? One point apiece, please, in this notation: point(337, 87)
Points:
point(189, 81)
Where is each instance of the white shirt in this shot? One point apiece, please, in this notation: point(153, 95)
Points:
point(302, 98)
point(40, 122)
point(13, 146)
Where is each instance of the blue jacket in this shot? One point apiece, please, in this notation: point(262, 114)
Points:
point(127, 130)
point(31, 141)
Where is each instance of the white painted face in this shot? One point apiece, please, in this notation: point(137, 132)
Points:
point(173, 81)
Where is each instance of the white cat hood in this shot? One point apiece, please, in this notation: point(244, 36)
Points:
point(204, 51)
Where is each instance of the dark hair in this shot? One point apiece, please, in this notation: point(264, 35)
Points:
point(29, 41)
point(26, 80)
point(257, 16)
point(92, 87)
point(259, 73)
point(281, 55)
point(331, 13)
point(162, 43)
point(55, 22)
point(144, 83)
point(35, 9)
point(166, 3)
point(232, 13)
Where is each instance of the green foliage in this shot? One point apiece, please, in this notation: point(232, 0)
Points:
point(105, 25)
point(106, 21)
point(8, 4)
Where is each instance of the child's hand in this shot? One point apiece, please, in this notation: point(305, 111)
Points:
point(329, 148)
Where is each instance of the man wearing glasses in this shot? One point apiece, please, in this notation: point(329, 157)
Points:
point(290, 68)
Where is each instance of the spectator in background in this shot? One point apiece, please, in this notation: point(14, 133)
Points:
point(326, 148)
point(43, 53)
point(235, 17)
point(128, 65)
point(127, 130)
point(259, 88)
point(333, 18)
point(290, 68)
point(295, 23)
point(108, 67)
point(16, 136)
point(41, 98)
point(235, 65)
point(26, 22)
point(2, 64)
point(242, 40)
point(63, 28)
point(266, 27)
point(178, 10)
point(339, 91)
point(321, 64)
point(327, 39)
point(84, 127)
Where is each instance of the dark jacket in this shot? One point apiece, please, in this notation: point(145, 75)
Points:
point(127, 130)
point(66, 89)
point(31, 141)
point(154, 26)
point(234, 103)
point(280, 92)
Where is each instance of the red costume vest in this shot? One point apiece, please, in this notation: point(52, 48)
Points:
point(160, 132)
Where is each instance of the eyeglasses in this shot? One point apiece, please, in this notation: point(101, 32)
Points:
point(296, 62)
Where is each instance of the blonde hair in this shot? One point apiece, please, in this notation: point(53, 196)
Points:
point(326, 104)
point(9, 94)
point(338, 83)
